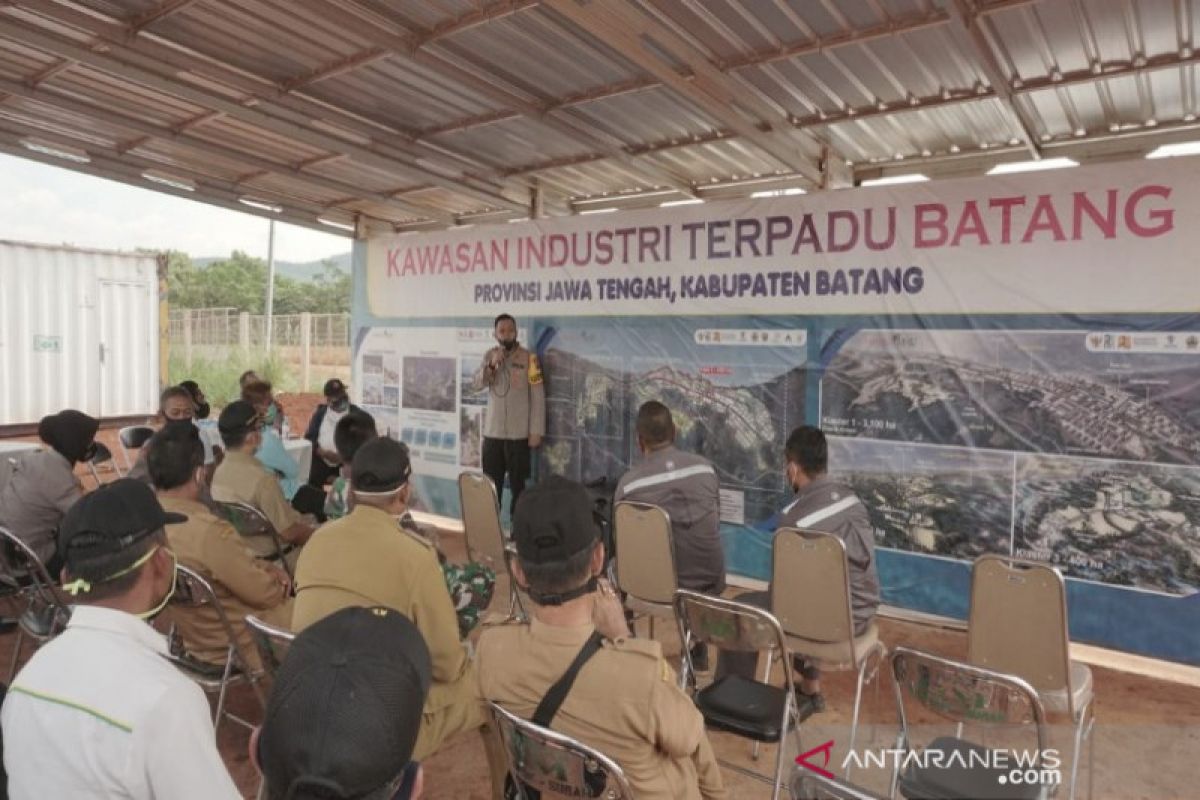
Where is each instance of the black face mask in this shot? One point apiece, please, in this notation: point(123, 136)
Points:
point(340, 405)
point(178, 424)
point(509, 345)
point(202, 410)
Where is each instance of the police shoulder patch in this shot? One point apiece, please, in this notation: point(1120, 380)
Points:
point(535, 370)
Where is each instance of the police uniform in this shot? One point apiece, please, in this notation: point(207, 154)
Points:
point(366, 559)
point(625, 702)
point(37, 495)
point(685, 486)
point(516, 410)
point(242, 583)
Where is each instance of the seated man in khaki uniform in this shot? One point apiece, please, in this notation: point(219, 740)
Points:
point(243, 584)
point(367, 559)
point(625, 701)
point(241, 477)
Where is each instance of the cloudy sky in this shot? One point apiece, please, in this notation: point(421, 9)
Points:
point(40, 203)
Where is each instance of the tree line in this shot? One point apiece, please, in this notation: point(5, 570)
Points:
point(240, 281)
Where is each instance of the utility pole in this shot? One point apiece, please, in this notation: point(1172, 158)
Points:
point(270, 282)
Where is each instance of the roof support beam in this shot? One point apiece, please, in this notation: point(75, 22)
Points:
point(966, 15)
point(134, 125)
point(65, 48)
point(480, 16)
point(642, 40)
point(164, 10)
point(339, 67)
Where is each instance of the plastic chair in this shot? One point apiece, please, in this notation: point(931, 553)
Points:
point(102, 456)
point(554, 764)
point(132, 438)
point(193, 591)
point(808, 785)
point(1018, 625)
point(272, 643)
point(810, 596)
point(45, 614)
point(254, 525)
point(486, 543)
point(752, 709)
point(964, 693)
point(645, 563)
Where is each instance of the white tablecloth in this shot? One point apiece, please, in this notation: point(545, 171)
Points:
point(301, 451)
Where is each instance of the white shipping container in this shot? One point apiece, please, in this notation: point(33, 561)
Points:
point(78, 329)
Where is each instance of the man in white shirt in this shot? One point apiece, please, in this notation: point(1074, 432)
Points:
point(326, 462)
point(99, 712)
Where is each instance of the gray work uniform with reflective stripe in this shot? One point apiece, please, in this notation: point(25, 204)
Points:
point(831, 507)
point(686, 487)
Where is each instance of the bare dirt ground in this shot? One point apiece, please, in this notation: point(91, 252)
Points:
point(1147, 738)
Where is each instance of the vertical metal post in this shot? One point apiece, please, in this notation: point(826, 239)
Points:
point(270, 282)
point(187, 338)
point(306, 350)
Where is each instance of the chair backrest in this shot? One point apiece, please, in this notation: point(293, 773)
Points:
point(1018, 621)
point(964, 693)
point(554, 764)
point(728, 625)
point(249, 521)
point(192, 590)
point(134, 436)
point(808, 785)
point(810, 586)
point(481, 520)
point(23, 565)
point(102, 456)
point(645, 558)
point(272, 643)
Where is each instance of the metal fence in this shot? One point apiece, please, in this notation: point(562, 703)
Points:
point(311, 344)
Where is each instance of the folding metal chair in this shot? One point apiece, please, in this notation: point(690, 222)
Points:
point(252, 524)
point(102, 456)
point(272, 643)
point(645, 563)
point(808, 785)
point(810, 596)
point(752, 709)
point(132, 438)
point(553, 764)
point(966, 694)
point(192, 591)
point(1018, 625)
point(486, 543)
point(46, 613)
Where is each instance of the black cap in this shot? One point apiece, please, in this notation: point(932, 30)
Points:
point(553, 521)
point(381, 466)
point(343, 717)
point(110, 519)
point(334, 388)
point(239, 416)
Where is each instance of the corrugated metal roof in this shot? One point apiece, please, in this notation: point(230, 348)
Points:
point(426, 111)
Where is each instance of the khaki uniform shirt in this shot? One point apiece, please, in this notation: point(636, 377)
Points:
point(37, 495)
point(516, 396)
point(242, 583)
point(831, 507)
point(685, 486)
point(366, 559)
point(241, 478)
point(625, 702)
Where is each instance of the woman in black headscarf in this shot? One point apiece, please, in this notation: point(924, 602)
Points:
point(43, 485)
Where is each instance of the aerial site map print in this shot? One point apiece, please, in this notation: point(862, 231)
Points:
point(1077, 448)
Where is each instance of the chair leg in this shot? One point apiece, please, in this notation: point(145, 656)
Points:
point(651, 616)
point(779, 756)
point(754, 750)
point(16, 656)
point(220, 713)
point(1082, 729)
point(858, 690)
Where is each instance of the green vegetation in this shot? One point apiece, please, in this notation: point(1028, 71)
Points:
point(240, 282)
point(219, 377)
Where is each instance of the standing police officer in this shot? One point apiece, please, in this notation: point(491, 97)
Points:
point(516, 411)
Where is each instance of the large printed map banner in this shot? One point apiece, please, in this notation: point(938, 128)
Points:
point(1005, 365)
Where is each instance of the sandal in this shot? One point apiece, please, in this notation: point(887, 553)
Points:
point(808, 704)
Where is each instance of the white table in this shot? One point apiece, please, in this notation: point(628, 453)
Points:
point(12, 450)
point(301, 452)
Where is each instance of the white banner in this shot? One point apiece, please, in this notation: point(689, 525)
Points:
point(1110, 238)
